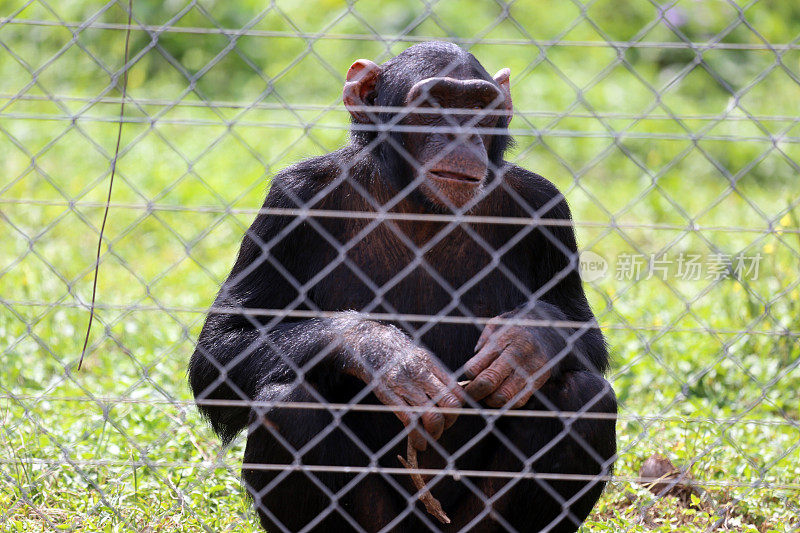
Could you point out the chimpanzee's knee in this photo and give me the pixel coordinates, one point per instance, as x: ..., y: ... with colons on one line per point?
x: 578, y: 410
x: 571, y: 446
x: 593, y: 400
x: 306, y: 498
x: 589, y: 443
x: 278, y: 435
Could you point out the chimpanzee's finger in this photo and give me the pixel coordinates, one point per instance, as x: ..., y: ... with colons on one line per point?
x: 488, y: 332
x: 485, y: 334
x: 481, y: 360
x: 510, y: 390
x: 416, y: 437
x: 491, y: 378
x: 534, y: 380
x: 444, y: 397
x: 495, y: 327
x: 432, y: 421
x: 388, y: 397
x: 449, y: 382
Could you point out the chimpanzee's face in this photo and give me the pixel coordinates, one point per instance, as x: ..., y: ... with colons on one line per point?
x: 448, y: 130
x: 448, y: 125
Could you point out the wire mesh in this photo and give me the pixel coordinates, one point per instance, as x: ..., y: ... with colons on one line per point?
x: 670, y: 128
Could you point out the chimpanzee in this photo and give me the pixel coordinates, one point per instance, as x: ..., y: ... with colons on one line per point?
x: 413, y: 268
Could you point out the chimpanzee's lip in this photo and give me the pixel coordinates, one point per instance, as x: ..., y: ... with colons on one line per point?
x: 455, y: 176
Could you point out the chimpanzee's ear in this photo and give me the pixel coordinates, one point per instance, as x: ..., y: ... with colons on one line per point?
x: 359, y: 88
x: 503, y: 79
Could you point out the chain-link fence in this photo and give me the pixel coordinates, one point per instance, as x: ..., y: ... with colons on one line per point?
x: 671, y: 129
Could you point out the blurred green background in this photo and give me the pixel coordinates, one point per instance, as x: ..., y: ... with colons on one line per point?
x: 671, y: 128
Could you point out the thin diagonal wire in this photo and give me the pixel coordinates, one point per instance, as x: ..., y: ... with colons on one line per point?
x: 110, y: 183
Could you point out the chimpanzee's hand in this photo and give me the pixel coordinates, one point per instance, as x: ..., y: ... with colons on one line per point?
x: 506, y: 365
x: 414, y: 379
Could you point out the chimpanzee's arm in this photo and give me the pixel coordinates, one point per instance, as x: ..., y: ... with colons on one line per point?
x: 244, y: 348
x: 562, y: 296
x: 553, y: 333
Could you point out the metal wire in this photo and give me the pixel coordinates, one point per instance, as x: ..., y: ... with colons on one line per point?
x: 192, y: 168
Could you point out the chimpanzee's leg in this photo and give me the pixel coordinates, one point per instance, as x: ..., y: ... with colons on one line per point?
x: 291, y: 500
x: 555, y: 446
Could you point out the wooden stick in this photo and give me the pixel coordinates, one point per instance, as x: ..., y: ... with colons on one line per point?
x: 432, y: 505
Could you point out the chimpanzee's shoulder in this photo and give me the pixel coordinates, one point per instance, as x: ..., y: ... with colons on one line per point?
x: 541, y: 198
x: 307, y: 181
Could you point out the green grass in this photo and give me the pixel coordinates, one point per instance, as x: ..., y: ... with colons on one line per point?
x: 706, y: 372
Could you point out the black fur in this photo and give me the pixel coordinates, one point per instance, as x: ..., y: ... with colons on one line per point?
x: 250, y: 350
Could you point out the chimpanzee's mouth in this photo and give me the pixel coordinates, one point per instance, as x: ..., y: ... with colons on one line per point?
x: 454, y: 176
